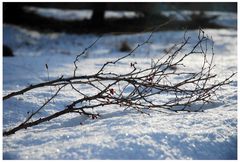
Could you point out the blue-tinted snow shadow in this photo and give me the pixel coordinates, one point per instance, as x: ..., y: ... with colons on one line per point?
x: 199, y: 107
x: 15, y: 110
x: 23, y: 71
x: 104, y: 116
x: 85, y: 120
x: 11, y: 155
x: 70, y: 122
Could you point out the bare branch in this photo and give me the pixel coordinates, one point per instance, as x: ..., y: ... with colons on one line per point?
x: 143, y: 90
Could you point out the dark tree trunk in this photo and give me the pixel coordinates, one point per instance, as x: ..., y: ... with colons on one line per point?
x: 98, y: 13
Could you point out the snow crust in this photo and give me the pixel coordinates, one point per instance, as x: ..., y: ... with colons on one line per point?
x: 118, y: 133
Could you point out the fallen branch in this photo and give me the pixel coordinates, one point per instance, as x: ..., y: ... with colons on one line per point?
x: 145, y: 85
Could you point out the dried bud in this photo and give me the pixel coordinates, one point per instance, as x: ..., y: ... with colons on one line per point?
x: 150, y: 78
x: 112, y: 91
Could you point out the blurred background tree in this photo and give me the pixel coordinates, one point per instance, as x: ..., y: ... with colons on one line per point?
x: 149, y: 15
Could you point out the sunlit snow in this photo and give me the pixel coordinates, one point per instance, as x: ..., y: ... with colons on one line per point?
x: 118, y: 133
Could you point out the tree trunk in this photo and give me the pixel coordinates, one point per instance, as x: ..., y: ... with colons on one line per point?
x: 98, y: 13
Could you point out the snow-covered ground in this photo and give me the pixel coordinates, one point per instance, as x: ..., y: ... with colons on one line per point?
x: 228, y: 19
x: 118, y: 133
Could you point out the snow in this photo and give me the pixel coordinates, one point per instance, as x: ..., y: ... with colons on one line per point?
x: 228, y: 19
x: 118, y: 133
